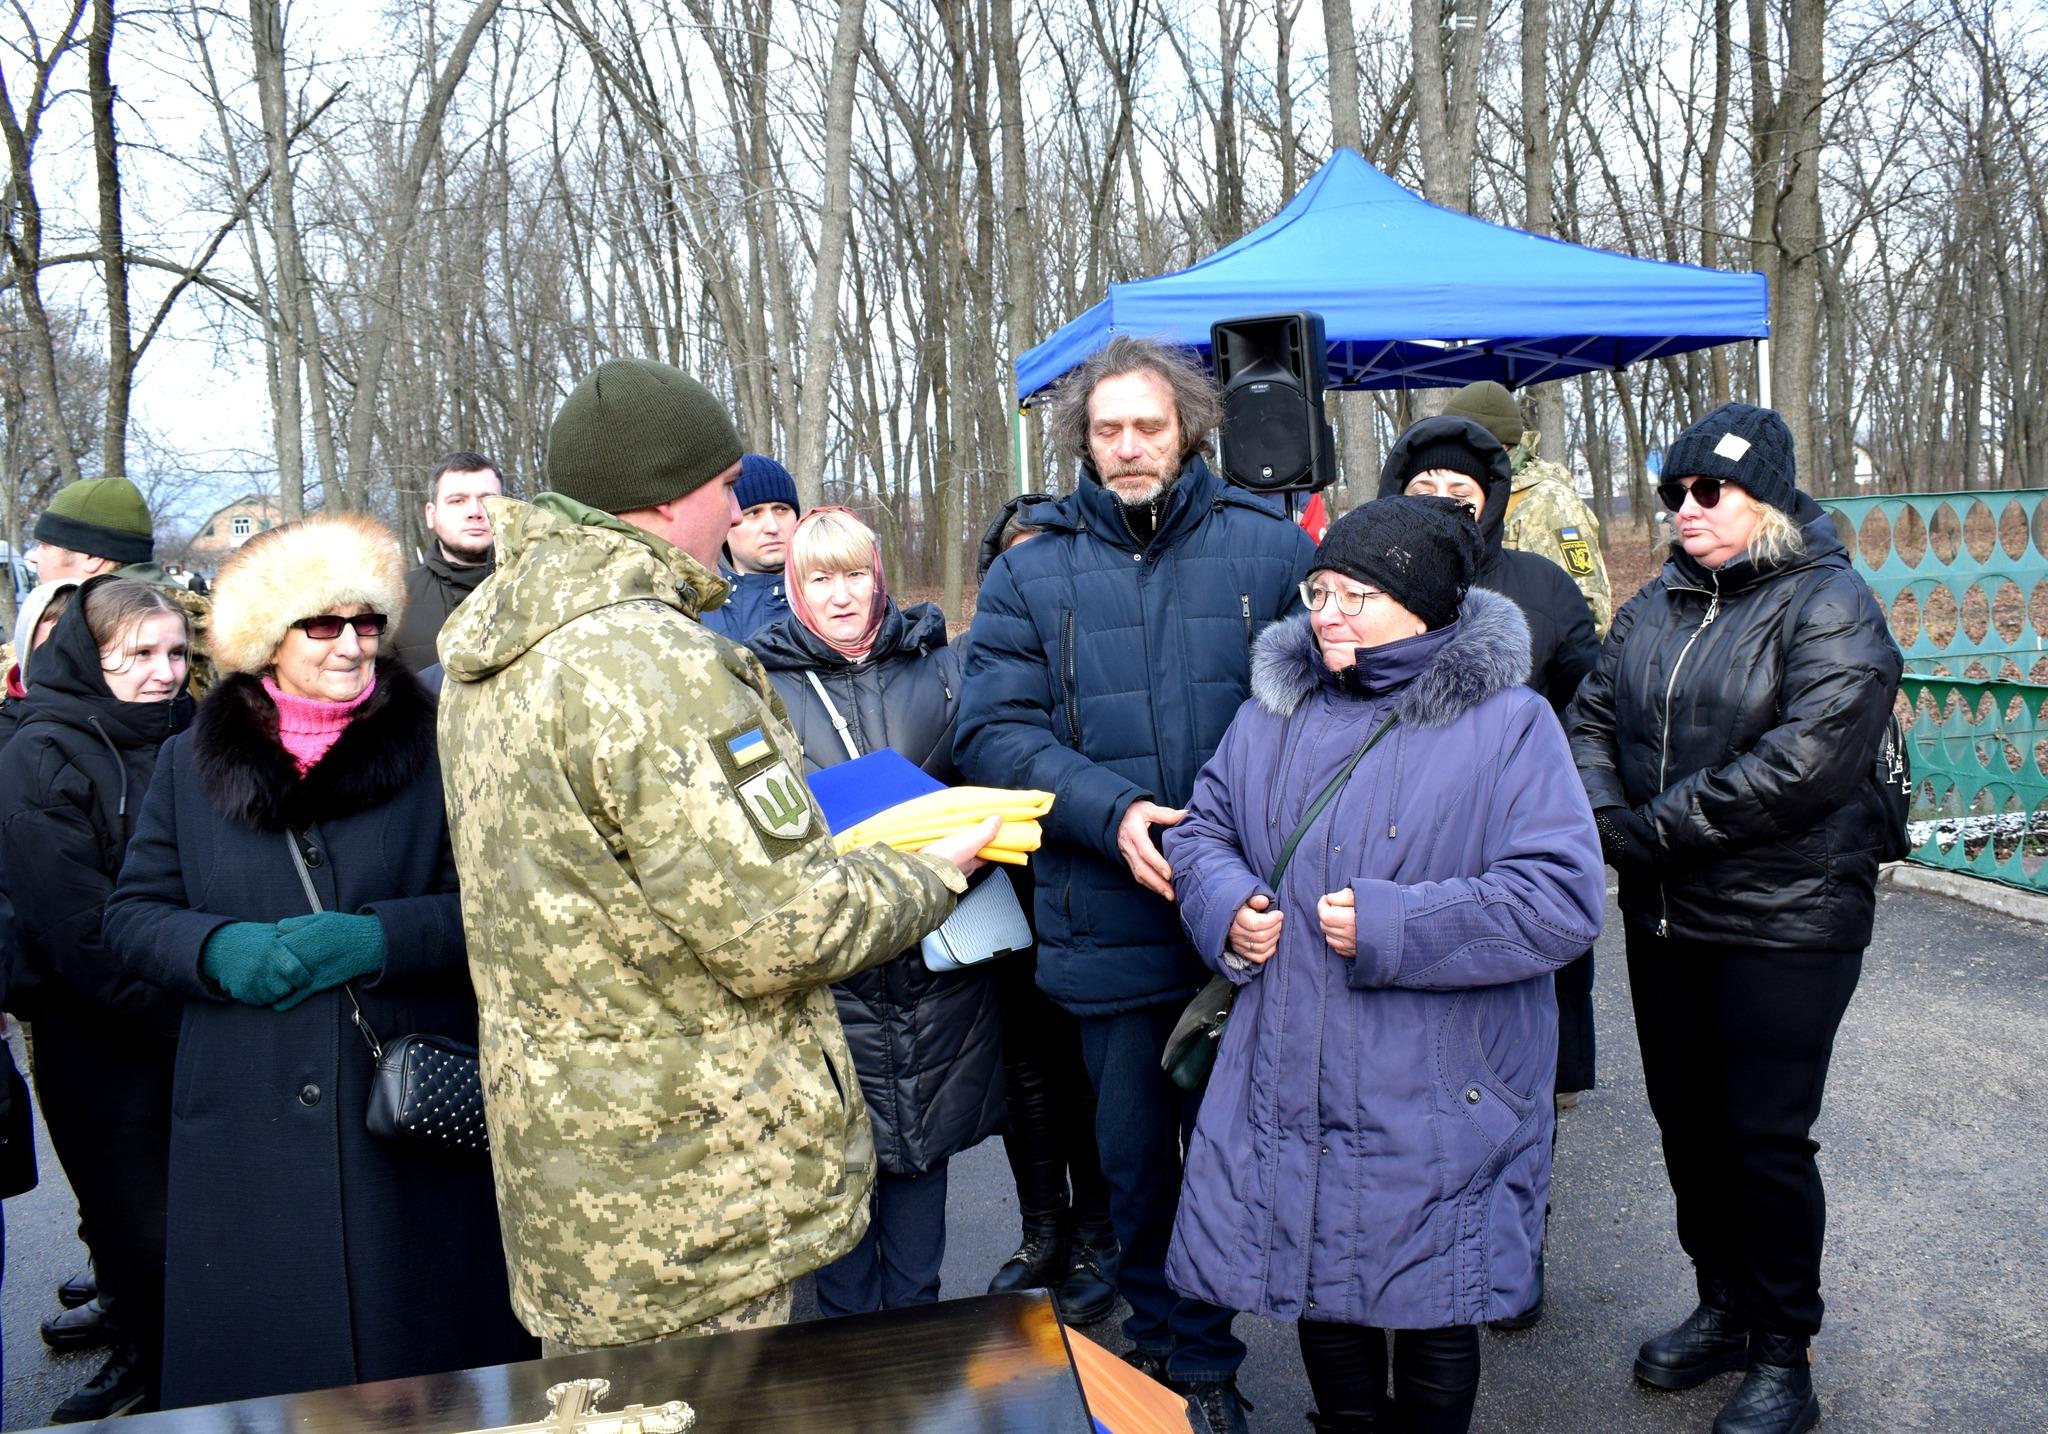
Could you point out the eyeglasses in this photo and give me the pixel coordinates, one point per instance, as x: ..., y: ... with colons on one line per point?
x: 1705, y: 491
x: 328, y: 626
x: 1349, y: 603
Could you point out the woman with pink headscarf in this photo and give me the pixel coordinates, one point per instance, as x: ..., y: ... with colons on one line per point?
x: 858, y: 674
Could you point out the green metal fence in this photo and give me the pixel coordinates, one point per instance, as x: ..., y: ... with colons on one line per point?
x: 1964, y: 577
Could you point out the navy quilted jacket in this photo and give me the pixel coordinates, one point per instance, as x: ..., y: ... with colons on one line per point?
x: 1104, y: 671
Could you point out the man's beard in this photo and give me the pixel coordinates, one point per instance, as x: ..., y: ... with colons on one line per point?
x: 463, y: 555
x: 1134, y: 489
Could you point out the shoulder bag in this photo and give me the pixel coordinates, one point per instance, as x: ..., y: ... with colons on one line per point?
x: 425, y: 1090
x: 1191, y: 1047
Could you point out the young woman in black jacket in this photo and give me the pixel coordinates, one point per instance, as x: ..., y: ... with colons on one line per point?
x: 858, y: 674
x: 1727, y: 741
x: 109, y: 689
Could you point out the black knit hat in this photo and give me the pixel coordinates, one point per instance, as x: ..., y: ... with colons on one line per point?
x: 1422, y: 552
x: 1447, y: 453
x: 636, y: 433
x: 1742, y: 444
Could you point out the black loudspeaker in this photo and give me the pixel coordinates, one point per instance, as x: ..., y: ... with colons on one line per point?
x: 1272, y: 370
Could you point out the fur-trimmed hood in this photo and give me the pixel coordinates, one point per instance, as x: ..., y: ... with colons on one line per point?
x: 1486, y: 651
x: 302, y: 569
x: 250, y: 778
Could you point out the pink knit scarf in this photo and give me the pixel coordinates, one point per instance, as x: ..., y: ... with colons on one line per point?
x: 307, y: 726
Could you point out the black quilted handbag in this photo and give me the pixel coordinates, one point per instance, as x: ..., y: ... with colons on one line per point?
x: 426, y: 1089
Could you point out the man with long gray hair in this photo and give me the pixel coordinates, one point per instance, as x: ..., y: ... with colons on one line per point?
x: 1107, y: 656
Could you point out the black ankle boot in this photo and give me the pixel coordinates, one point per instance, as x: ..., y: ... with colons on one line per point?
x: 1711, y: 1340
x: 1088, y: 1292
x: 1344, y: 1422
x: 1776, y: 1396
x: 1039, y: 1264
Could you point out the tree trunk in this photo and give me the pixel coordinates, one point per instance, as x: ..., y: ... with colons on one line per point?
x: 1020, y: 265
x: 382, y: 320
x: 836, y: 219
x: 266, y: 37
x: 113, y: 247
x: 1795, y: 335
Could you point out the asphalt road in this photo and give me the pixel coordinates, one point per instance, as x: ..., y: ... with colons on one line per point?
x: 1934, y: 1145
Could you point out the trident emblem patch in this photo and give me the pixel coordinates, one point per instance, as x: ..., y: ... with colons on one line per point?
x: 776, y: 802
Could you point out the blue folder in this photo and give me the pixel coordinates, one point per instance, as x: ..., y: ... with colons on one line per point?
x: 853, y: 791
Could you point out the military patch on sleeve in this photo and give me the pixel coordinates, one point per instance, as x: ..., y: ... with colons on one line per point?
x: 774, y: 797
x: 1578, y: 553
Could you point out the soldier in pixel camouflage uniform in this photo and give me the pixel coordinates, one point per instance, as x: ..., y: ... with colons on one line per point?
x: 654, y: 907
x: 1545, y: 515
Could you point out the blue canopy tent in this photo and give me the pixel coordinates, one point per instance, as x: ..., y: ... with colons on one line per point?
x: 1414, y: 296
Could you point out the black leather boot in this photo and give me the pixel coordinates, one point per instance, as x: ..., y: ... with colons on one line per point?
x: 1088, y: 1293
x: 1776, y: 1396
x: 1711, y: 1340
x: 1344, y: 1422
x: 90, y: 1325
x: 1039, y: 1264
x: 79, y: 1288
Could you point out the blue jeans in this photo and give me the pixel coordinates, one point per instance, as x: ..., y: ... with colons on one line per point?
x: 896, y: 1263
x: 1142, y: 1122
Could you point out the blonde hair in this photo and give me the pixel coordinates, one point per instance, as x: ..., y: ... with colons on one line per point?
x: 1776, y: 538
x: 829, y: 542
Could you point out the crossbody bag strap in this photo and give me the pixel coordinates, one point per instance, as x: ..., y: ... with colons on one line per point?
x: 1328, y: 795
x: 845, y: 734
x: 291, y: 842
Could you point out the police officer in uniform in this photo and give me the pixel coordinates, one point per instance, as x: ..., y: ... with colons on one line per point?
x: 654, y: 908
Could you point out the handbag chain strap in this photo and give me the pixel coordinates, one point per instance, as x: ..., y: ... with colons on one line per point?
x: 291, y: 841
x: 1328, y: 795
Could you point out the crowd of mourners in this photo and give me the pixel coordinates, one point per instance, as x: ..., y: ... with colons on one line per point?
x: 533, y: 816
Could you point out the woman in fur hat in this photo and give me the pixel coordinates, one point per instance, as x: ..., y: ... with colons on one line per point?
x: 303, y: 1252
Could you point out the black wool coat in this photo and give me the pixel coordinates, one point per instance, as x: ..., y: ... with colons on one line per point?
x: 927, y: 1045
x: 302, y: 1252
x: 1739, y: 711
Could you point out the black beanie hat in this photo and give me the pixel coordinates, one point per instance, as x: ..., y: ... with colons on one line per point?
x: 1446, y: 453
x: 1421, y: 552
x: 1742, y: 444
x: 636, y: 433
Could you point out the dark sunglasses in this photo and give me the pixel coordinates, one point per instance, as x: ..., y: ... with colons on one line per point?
x: 328, y: 626
x: 1705, y: 491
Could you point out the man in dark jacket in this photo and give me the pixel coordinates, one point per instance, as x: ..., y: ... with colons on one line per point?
x: 756, y: 549
x: 1107, y: 657
x: 462, y: 556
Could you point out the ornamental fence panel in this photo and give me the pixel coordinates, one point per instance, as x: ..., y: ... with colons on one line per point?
x: 1964, y: 579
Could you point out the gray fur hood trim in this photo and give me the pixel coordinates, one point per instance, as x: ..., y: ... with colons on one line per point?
x: 1489, y: 653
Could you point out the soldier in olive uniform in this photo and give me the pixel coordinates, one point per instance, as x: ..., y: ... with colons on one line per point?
x: 655, y: 910
x: 1546, y: 515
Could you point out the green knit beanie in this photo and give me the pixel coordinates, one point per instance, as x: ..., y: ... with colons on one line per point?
x: 1490, y: 406
x: 636, y: 433
x: 102, y: 518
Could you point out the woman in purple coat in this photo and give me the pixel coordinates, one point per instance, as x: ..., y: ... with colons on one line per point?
x: 1373, y: 1149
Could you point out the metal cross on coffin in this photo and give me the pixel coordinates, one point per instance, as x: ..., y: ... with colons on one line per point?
x: 573, y: 1410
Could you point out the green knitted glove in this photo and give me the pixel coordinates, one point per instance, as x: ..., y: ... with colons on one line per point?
x: 249, y: 961
x: 334, y: 947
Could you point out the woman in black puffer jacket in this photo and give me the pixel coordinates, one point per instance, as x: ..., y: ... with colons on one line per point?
x: 109, y: 690
x: 858, y: 674
x: 1727, y: 740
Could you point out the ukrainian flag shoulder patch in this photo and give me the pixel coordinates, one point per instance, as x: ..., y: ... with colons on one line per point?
x: 748, y: 747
